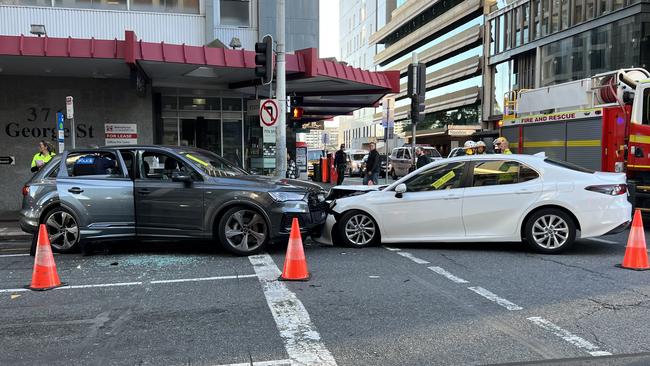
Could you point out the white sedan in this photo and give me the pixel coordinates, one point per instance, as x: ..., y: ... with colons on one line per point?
x: 483, y: 198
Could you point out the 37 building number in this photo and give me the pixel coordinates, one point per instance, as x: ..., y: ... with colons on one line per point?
x: 33, y: 113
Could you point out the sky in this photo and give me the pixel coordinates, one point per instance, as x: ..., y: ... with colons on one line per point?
x: 328, y: 30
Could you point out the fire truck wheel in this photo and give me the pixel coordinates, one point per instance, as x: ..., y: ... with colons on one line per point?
x: 550, y: 231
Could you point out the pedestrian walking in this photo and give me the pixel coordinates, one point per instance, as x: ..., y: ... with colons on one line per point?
x: 423, y: 159
x: 291, y: 168
x: 340, y: 163
x: 373, y: 165
x: 501, y: 146
x: 43, y: 156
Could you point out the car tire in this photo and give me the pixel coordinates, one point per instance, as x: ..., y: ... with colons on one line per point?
x: 243, y: 231
x: 550, y: 231
x: 63, y: 230
x: 358, y: 229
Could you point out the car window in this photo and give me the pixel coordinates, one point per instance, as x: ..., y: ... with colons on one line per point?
x: 212, y: 164
x: 358, y: 157
x: 432, y: 153
x: 161, y: 166
x: 400, y: 153
x: 129, y: 160
x: 99, y: 163
x: 499, y: 172
x: 407, y: 154
x: 441, y: 177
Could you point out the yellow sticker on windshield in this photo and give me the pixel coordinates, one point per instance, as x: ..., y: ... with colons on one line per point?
x: 197, y: 160
x: 444, y: 179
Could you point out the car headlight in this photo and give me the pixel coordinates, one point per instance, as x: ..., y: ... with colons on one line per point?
x: 287, y: 196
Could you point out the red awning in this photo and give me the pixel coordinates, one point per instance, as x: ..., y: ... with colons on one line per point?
x: 327, y: 88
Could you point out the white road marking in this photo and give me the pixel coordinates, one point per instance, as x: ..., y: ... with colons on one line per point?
x: 2, y: 229
x: 579, y: 342
x: 443, y: 272
x: 492, y: 297
x: 121, y: 284
x: 261, y: 363
x: 603, y: 241
x: 205, y: 279
x: 301, y: 339
x: 13, y: 255
x: 392, y: 249
x: 412, y: 257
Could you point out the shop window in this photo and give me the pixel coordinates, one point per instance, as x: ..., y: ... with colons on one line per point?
x: 92, y: 4
x: 235, y: 13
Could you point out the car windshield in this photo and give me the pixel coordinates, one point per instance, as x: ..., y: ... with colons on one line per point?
x: 567, y: 165
x: 357, y: 156
x: 212, y: 164
x: 432, y: 153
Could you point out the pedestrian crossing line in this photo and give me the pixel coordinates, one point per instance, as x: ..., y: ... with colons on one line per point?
x: 392, y: 249
x: 204, y: 279
x: 493, y: 297
x: 299, y: 335
x: 14, y: 255
x: 261, y: 363
x: 441, y: 271
x: 412, y: 257
x: 575, y: 340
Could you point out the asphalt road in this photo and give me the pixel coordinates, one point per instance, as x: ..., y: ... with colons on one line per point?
x: 432, y: 304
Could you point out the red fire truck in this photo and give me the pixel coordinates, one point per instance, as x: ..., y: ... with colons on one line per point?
x: 601, y: 123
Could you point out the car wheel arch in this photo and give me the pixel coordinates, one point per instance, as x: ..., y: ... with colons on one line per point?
x: 522, y: 226
x: 238, y: 203
x: 341, y: 214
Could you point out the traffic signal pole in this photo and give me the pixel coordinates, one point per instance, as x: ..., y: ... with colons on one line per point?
x: 281, y: 95
x: 414, y: 61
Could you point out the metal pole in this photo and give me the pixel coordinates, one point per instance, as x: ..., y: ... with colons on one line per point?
x: 414, y: 60
x: 281, y: 95
x: 73, y: 134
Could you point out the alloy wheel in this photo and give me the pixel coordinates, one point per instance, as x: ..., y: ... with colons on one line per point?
x: 245, y: 230
x: 550, y: 231
x: 63, y: 230
x: 360, y: 230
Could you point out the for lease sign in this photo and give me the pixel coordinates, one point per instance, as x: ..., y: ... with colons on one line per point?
x: 120, y: 134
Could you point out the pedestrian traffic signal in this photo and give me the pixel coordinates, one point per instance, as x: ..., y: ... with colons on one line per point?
x: 417, y: 88
x: 296, y: 112
x: 264, y: 59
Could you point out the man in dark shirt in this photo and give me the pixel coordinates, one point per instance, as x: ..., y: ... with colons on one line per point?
x: 373, y: 165
x: 340, y: 162
x: 423, y: 159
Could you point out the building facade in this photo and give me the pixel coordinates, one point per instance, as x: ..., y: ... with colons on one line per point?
x: 537, y: 43
x: 185, y: 82
x: 448, y: 37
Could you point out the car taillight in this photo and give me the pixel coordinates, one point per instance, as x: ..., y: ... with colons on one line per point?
x: 609, y: 189
x: 25, y: 190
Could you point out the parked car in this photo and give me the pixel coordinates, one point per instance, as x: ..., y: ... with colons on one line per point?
x: 355, y: 158
x: 401, y: 160
x: 164, y: 193
x: 487, y: 198
x: 313, y: 157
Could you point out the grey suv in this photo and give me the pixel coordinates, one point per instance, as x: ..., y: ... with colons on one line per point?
x: 160, y: 192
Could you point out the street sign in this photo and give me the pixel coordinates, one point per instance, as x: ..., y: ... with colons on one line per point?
x: 388, y: 115
x: 7, y: 160
x: 61, y: 131
x: 69, y: 107
x: 269, y: 112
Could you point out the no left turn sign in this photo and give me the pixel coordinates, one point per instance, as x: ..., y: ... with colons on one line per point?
x: 268, y: 112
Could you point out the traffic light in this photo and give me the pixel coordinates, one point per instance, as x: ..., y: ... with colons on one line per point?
x: 296, y: 112
x: 416, y: 89
x: 264, y: 59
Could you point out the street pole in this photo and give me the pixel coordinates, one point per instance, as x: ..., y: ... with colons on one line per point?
x: 414, y: 60
x: 281, y: 95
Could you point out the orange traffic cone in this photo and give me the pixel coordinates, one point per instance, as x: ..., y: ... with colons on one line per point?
x: 44, y: 276
x: 636, y: 255
x: 295, y: 264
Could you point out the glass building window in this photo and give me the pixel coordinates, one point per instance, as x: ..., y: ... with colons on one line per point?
x: 235, y: 13
x: 501, y: 40
x: 536, y: 6
x: 47, y: 3
x: 502, y: 79
x: 526, y: 31
x: 493, y: 34
x: 578, y: 10
x: 518, y: 28
x: 590, y: 7
x: 546, y: 18
x: 618, y: 4
x: 555, y: 16
x: 564, y: 14
x: 92, y: 4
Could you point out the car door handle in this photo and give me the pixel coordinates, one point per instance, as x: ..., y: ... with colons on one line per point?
x: 452, y: 198
x: 144, y: 191
x: 75, y: 190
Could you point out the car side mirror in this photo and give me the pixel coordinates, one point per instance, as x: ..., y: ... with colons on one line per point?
x: 177, y: 177
x: 399, y: 190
